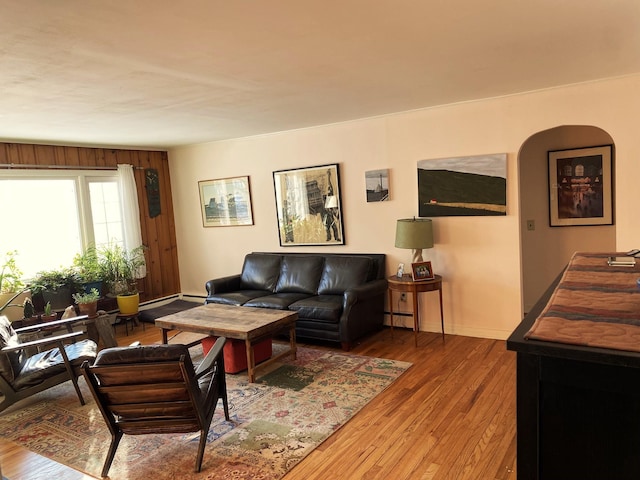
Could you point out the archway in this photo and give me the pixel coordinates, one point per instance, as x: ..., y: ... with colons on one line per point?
x: 546, y: 250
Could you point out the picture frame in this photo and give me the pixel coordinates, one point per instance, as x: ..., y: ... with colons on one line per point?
x: 377, y: 183
x: 422, y: 271
x: 581, y: 187
x: 226, y: 202
x: 309, y: 206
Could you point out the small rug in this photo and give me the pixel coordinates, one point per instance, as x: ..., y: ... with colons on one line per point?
x: 275, y: 422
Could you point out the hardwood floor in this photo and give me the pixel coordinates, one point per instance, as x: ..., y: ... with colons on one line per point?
x: 450, y: 416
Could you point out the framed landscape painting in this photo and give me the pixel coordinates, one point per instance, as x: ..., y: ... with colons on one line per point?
x: 309, y: 206
x: 225, y: 202
x: 463, y: 186
x: 580, y: 187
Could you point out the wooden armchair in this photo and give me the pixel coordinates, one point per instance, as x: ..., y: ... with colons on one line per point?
x: 25, y: 369
x: 155, y: 389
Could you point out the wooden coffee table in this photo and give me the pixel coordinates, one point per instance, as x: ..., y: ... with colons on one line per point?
x: 242, y: 323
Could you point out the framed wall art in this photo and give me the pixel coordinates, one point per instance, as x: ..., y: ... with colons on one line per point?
x: 463, y: 186
x: 309, y: 206
x: 377, y: 185
x: 226, y: 202
x: 580, y: 187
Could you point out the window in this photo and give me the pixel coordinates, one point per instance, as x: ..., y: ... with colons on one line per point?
x: 49, y: 216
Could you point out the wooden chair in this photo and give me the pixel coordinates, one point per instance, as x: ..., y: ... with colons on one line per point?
x: 25, y: 369
x: 155, y: 389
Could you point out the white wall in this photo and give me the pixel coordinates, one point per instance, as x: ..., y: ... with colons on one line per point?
x: 479, y: 257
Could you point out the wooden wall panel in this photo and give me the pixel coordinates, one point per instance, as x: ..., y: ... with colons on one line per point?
x: 157, y: 233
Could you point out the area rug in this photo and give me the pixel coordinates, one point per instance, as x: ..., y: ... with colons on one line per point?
x: 274, y: 423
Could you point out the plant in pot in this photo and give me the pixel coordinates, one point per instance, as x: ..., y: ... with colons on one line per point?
x: 28, y: 313
x: 88, y: 302
x: 88, y: 268
x: 12, y: 289
x: 49, y: 315
x: 121, y: 269
x: 55, y: 286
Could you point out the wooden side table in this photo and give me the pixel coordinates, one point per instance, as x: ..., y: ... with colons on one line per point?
x: 407, y: 285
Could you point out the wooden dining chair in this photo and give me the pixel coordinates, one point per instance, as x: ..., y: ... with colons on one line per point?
x: 156, y: 389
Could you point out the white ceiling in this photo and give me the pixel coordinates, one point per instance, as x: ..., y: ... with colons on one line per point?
x: 162, y: 73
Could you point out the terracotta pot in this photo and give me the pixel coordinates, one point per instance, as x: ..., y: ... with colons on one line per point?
x: 90, y: 309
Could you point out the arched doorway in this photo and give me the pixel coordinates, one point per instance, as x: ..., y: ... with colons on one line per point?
x: 546, y: 250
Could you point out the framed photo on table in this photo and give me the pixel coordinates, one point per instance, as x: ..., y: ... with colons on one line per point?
x: 580, y: 187
x: 225, y: 202
x: 422, y: 271
x: 309, y: 206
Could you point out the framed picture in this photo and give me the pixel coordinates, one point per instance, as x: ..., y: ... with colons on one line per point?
x: 580, y: 187
x: 308, y: 206
x: 226, y: 202
x: 377, y: 182
x: 422, y: 271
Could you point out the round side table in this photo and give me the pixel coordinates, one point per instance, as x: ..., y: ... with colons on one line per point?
x: 407, y: 285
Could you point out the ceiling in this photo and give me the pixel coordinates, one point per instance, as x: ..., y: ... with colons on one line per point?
x: 163, y: 73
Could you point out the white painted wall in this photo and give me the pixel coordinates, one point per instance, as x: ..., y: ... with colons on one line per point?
x: 479, y: 257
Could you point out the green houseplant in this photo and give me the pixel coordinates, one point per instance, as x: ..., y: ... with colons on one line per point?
x: 12, y: 288
x: 121, y: 269
x: 87, y: 302
x: 88, y: 268
x: 55, y: 286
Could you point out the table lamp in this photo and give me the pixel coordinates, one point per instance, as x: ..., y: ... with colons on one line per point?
x: 416, y: 234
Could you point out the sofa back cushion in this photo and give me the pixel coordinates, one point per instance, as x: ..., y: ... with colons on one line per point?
x: 343, y: 272
x: 260, y: 272
x: 300, y: 274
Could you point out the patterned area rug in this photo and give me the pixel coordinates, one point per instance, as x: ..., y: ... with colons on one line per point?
x: 274, y: 423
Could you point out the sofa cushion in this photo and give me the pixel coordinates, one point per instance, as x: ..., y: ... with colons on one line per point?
x: 260, y: 272
x: 278, y: 301
x: 342, y: 273
x: 236, y: 298
x: 300, y: 274
x: 323, y: 308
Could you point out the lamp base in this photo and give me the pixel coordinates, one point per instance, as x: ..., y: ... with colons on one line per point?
x: 417, y: 255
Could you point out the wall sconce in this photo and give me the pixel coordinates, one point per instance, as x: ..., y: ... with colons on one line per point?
x: 416, y: 234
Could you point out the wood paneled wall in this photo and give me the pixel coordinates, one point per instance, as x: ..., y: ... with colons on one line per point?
x: 158, y: 233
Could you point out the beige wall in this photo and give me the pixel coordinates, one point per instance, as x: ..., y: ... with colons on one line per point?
x: 479, y: 257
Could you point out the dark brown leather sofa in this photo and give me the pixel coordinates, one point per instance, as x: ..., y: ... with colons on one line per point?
x: 338, y: 297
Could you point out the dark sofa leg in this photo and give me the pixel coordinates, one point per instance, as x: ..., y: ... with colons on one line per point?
x: 346, y: 346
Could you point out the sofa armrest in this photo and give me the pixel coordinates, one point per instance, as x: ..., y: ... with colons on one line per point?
x: 364, y: 291
x: 223, y: 285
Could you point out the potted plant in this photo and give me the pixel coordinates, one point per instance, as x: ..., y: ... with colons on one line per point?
x: 88, y: 302
x: 12, y: 289
x: 121, y: 269
x: 55, y: 286
x: 49, y: 315
x: 88, y: 269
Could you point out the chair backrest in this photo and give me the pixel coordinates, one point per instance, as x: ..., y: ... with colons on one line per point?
x: 10, y: 362
x: 147, y: 389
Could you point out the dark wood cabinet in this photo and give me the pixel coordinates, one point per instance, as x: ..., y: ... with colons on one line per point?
x: 578, y: 408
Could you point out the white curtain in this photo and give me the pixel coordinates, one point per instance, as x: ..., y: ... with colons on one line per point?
x: 130, y: 210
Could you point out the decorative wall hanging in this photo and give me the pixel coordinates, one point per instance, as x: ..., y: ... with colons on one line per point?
x: 377, y: 182
x: 580, y: 187
x: 308, y: 206
x: 463, y: 186
x: 153, y: 191
x: 226, y: 202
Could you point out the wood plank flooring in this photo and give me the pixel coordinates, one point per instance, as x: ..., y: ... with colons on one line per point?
x: 450, y: 416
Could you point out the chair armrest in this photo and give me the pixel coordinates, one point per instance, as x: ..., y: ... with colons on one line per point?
x: 212, y: 356
x: 55, y: 323
x: 224, y: 284
x: 42, y: 341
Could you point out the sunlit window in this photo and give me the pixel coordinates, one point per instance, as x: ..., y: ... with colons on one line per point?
x: 48, y: 216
